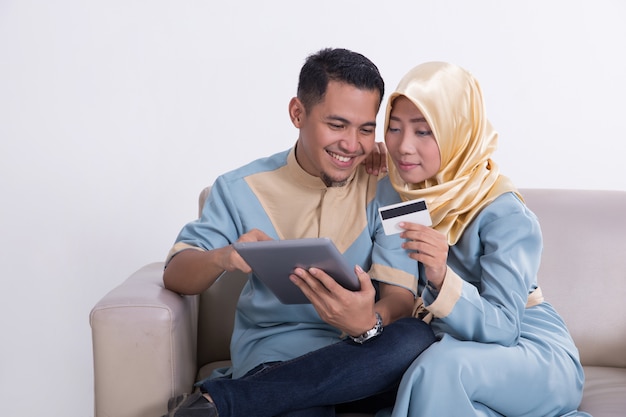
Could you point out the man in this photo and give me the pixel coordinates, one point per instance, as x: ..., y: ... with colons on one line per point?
x: 291, y: 360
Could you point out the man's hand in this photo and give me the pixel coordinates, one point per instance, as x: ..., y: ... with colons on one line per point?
x: 230, y: 258
x: 193, y: 271
x: 376, y: 161
x: 350, y: 311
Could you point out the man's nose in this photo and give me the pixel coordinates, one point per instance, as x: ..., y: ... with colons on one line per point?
x: 351, y: 141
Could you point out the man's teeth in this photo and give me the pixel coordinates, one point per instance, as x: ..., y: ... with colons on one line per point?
x: 339, y: 157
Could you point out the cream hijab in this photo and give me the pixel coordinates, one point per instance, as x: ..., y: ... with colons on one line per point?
x: 451, y: 101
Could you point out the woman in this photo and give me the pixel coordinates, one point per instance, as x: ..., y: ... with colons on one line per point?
x: 501, y: 349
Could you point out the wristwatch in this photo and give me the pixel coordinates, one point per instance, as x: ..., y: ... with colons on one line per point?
x: 373, y: 332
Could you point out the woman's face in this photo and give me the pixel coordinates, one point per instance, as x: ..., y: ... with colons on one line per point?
x: 411, y: 143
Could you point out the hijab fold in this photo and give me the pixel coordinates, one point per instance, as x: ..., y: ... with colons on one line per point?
x: 451, y: 101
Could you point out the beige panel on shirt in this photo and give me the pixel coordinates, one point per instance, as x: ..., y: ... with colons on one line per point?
x: 300, y: 205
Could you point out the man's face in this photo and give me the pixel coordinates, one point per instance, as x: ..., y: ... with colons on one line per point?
x: 337, y: 133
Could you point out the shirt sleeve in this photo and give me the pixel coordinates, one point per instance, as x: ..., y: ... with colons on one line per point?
x: 219, y: 224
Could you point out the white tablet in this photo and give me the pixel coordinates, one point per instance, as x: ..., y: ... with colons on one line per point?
x: 274, y: 260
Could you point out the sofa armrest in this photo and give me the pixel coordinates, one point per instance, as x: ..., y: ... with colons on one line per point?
x: 144, y: 346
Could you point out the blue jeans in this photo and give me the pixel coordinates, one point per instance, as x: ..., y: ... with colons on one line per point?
x: 344, y: 374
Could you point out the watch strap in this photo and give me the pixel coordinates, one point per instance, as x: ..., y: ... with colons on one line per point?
x: 373, y: 332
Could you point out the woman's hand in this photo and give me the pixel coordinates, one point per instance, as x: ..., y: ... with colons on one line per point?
x: 429, y: 247
x: 376, y: 161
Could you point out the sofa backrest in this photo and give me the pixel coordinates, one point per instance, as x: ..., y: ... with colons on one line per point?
x: 583, y: 267
x: 582, y: 274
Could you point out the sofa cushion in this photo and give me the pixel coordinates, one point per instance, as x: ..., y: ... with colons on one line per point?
x: 605, y: 391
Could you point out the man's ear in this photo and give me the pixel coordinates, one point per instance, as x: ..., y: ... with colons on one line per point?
x: 296, y: 112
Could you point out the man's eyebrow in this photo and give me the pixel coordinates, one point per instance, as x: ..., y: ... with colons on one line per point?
x: 338, y: 119
x: 347, y: 122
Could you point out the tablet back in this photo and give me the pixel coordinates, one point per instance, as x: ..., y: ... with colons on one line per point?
x: 274, y: 260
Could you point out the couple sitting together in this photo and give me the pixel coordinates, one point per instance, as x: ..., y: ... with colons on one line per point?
x: 449, y: 319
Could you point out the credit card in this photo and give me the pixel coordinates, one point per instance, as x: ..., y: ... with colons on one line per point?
x: 414, y: 211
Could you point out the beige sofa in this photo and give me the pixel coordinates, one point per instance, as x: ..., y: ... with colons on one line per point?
x: 150, y: 344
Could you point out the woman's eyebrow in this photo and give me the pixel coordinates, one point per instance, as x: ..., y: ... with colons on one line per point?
x: 414, y: 120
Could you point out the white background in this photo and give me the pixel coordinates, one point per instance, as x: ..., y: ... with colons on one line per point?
x: 114, y: 114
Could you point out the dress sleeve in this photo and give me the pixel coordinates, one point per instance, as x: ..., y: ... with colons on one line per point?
x: 489, y: 308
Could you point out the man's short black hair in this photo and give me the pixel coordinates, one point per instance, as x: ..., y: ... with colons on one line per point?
x: 336, y: 64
